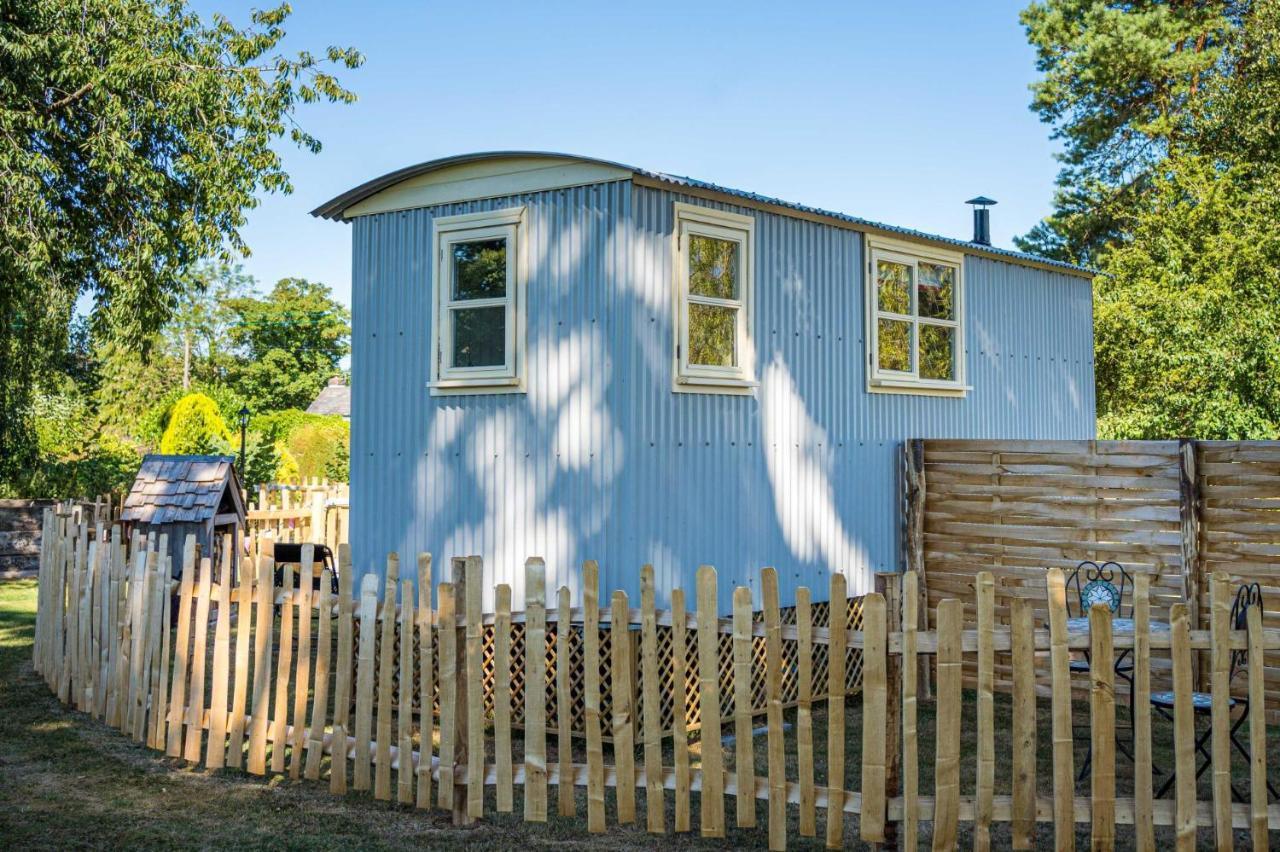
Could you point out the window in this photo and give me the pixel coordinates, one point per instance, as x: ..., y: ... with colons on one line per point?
x: 714, y: 288
x: 914, y: 314
x: 478, y: 302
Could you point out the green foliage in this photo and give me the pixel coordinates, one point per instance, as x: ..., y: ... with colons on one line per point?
x: 1187, y: 311
x: 286, y: 464
x: 290, y: 342
x: 261, y: 460
x: 307, y: 444
x: 1123, y: 86
x: 135, y: 136
x: 315, y: 445
x: 195, y: 428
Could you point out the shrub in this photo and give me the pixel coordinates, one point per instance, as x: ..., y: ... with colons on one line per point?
x: 196, y: 428
x: 317, y: 444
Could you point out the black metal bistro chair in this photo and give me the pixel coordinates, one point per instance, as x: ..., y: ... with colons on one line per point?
x: 1105, y: 584
x: 1248, y: 595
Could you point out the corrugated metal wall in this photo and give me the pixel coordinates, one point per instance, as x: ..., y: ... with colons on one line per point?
x: 601, y: 460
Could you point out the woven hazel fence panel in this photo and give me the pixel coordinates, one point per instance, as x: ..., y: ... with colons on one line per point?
x: 109, y: 643
x: 789, y: 685
x: 1178, y: 511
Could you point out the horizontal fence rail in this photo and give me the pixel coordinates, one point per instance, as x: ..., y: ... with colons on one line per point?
x: 227, y: 669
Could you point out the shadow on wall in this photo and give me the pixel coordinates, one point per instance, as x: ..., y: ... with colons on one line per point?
x: 484, y: 474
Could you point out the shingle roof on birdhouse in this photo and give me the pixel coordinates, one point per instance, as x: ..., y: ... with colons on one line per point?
x: 183, y: 489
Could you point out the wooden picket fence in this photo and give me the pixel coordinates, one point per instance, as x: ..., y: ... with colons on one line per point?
x: 316, y: 511
x: 245, y: 674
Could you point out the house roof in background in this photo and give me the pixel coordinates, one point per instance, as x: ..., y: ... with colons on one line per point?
x: 335, y: 209
x: 334, y: 398
x: 181, y: 489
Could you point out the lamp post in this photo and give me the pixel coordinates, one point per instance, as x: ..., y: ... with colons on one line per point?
x: 244, y: 426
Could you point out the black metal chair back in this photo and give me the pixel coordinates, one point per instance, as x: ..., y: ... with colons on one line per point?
x: 1248, y: 595
x: 1106, y: 583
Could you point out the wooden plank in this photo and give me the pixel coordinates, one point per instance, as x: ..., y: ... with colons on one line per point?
x: 240, y: 694
x: 263, y: 638
x: 426, y: 717
x: 462, y: 573
x: 216, y: 754
x: 320, y: 700
x: 1063, y: 767
x: 655, y: 796
x: 777, y: 757
x: 160, y: 680
x: 342, y: 674
x: 623, y: 728
x: 986, y: 604
x: 804, y: 714
x: 181, y: 650
x: 1257, y: 734
x: 195, y: 709
x: 744, y: 747
x: 284, y: 669
x: 680, y: 713
x: 874, y: 717
x: 591, y: 695
x: 947, y: 759
x: 1102, y: 777
x: 364, y: 682
x: 386, y: 680
x: 712, y: 798
x: 564, y: 709
x: 1024, y: 726
x: 835, y: 719
x: 535, y: 713
x: 474, y: 674
x: 505, y: 793
x: 302, y: 678
x: 1184, y: 731
x: 1220, y: 716
x: 448, y: 664
x: 404, y: 694
x: 1144, y: 829
x: 910, y: 711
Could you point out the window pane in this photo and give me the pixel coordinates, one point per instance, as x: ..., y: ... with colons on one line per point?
x: 895, y: 345
x: 480, y: 269
x: 937, y: 289
x: 479, y: 337
x: 893, y: 285
x: 713, y: 267
x: 712, y: 335
x: 937, y: 354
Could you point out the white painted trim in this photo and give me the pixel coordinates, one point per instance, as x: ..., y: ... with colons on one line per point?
x: 720, y: 224
x: 508, y: 223
x: 892, y: 381
x: 486, y: 179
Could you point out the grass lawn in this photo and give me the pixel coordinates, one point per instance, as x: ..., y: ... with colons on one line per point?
x: 67, y: 781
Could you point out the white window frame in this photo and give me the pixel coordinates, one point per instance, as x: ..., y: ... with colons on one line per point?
x: 507, y: 223
x: 893, y: 381
x: 691, y: 219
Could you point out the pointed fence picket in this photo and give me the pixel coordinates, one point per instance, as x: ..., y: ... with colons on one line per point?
x: 104, y: 642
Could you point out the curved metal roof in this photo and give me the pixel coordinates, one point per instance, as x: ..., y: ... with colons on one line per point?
x: 334, y: 207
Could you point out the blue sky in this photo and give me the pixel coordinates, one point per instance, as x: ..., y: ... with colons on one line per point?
x: 896, y: 112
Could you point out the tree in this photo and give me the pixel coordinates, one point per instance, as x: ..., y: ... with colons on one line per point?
x: 196, y: 427
x: 199, y: 332
x: 1124, y: 86
x: 133, y: 137
x: 1188, y: 304
x: 290, y: 343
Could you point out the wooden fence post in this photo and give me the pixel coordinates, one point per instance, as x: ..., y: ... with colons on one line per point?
x: 913, y: 502
x: 1189, y: 517
x: 460, y: 727
x: 889, y: 584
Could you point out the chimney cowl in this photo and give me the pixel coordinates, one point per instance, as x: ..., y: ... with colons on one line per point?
x: 981, y: 219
